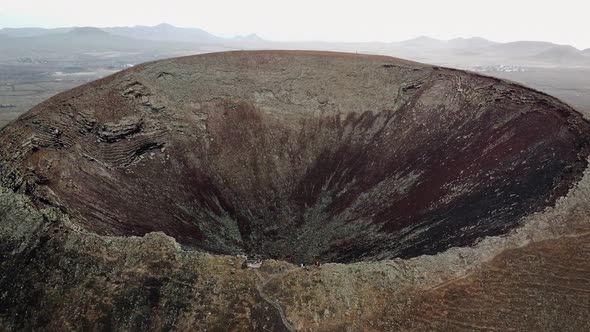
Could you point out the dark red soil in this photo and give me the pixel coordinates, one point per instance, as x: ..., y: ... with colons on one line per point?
x: 392, y: 159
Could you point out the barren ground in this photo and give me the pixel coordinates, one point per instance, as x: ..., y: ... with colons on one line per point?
x: 435, y: 199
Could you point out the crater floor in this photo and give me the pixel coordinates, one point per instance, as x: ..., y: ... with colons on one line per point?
x: 299, y: 156
x: 457, y: 201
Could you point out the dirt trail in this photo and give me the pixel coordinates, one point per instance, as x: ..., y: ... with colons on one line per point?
x: 269, y: 300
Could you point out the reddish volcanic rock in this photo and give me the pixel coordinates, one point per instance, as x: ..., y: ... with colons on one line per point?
x: 300, y: 156
x: 306, y: 157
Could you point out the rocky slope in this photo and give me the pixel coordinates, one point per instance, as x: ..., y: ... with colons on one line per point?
x: 429, y: 182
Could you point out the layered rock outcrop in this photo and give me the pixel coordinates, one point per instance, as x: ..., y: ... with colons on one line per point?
x: 294, y: 156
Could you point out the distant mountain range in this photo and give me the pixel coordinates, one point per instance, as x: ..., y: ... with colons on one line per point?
x: 161, y: 32
x: 432, y: 43
x: 76, y: 42
x: 166, y: 32
x: 168, y: 39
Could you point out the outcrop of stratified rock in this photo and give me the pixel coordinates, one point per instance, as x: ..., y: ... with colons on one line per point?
x: 296, y: 156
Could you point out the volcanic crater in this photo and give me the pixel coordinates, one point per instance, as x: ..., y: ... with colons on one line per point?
x: 299, y: 156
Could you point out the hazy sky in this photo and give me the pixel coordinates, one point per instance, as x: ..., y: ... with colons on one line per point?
x: 563, y: 21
